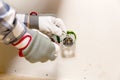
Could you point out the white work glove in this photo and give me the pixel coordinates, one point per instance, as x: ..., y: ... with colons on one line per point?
x: 51, y: 25
x: 36, y: 47
x: 46, y: 24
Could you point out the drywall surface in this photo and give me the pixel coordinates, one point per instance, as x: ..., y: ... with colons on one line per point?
x: 97, y: 24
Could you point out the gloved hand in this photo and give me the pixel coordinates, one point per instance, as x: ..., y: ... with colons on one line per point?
x: 36, y: 47
x: 32, y: 44
x: 51, y: 25
x: 46, y: 24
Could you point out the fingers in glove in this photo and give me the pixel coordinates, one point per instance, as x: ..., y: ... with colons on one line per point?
x: 57, y: 31
x: 60, y: 24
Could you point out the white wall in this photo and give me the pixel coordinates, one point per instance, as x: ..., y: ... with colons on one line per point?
x: 97, y: 24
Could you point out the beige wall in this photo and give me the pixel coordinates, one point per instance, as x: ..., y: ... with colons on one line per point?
x: 40, y: 6
x: 97, y: 24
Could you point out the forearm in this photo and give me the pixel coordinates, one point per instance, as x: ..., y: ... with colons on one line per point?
x: 12, y: 29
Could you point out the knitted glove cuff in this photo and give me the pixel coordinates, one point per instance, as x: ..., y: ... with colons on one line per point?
x: 23, y: 43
